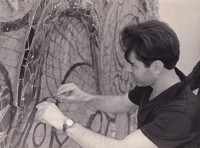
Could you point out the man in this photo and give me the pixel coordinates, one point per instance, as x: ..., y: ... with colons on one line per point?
x: 169, y: 113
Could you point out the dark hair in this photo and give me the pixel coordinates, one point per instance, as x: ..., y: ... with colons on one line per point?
x: 150, y: 41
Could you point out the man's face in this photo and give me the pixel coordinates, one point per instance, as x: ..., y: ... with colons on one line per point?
x: 143, y: 76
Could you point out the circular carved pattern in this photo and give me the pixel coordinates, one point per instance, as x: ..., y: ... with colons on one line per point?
x: 8, y: 14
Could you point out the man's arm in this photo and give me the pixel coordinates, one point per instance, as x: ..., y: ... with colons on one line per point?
x: 109, y: 104
x: 112, y: 104
x: 89, y: 139
x: 49, y: 113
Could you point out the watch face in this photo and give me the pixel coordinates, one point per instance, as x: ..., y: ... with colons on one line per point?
x: 69, y: 122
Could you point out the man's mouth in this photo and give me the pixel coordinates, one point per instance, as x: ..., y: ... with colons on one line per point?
x: 135, y: 81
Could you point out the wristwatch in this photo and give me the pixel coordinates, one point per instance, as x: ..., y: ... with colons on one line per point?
x: 67, y: 124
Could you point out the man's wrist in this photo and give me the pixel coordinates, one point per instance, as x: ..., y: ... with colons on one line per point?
x: 88, y: 97
x: 72, y: 131
x: 68, y: 124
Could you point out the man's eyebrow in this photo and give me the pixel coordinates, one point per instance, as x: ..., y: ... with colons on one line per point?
x: 131, y: 63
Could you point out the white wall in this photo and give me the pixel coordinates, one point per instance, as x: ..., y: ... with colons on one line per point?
x: 184, y: 17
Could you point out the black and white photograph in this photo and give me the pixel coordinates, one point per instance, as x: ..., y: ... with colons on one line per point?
x: 99, y: 73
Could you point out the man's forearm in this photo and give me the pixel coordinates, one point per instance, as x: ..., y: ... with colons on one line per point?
x: 89, y: 139
x: 109, y: 104
x: 49, y: 113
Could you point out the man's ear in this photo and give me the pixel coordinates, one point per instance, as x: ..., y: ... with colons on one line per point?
x: 157, y: 67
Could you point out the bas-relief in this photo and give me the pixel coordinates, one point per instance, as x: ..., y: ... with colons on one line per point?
x: 57, y: 42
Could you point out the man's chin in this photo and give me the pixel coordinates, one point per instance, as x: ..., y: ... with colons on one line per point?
x: 140, y: 84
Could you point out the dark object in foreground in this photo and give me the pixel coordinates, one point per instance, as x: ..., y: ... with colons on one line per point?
x: 194, y: 78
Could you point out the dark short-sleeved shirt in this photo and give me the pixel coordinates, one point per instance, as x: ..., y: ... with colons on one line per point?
x: 171, y: 119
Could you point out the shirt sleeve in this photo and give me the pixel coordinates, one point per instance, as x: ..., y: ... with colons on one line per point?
x: 135, y: 95
x: 168, y: 130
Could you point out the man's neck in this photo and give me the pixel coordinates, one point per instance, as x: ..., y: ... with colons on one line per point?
x: 166, y: 79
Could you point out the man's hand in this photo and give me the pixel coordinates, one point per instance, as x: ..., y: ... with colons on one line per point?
x: 49, y: 113
x: 72, y: 93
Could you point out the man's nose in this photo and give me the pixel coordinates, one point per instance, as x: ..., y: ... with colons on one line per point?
x: 128, y: 68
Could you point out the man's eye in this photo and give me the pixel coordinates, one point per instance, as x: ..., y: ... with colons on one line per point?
x: 132, y: 65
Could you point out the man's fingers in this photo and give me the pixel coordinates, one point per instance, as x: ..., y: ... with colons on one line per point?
x: 45, y: 105
x: 66, y: 88
x: 42, y: 105
x: 69, y: 98
x: 43, y: 121
x: 39, y: 115
x: 40, y: 118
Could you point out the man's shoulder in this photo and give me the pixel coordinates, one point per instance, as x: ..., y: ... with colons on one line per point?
x: 185, y: 102
x: 187, y: 95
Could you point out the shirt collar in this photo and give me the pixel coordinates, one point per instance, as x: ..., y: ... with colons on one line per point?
x: 180, y: 74
x: 170, y: 93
